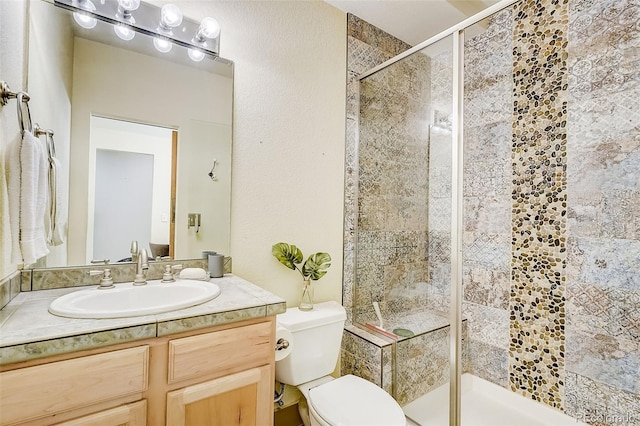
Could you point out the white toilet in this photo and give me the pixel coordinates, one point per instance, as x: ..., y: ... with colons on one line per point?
x: 315, y: 346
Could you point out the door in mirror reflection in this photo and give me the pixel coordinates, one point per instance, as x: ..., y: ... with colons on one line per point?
x: 133, y: 173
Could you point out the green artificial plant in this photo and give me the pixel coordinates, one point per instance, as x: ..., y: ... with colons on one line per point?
x: 314, y: 268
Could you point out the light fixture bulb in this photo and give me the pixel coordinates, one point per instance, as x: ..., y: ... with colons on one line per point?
x: 82, y: 17
x: 195, y: 55
x: 124, y: 32
x: 170, y: 16
x: 129, y: 5
x: 209, y: 27
x: 162, y: 45
x: 84, y: 20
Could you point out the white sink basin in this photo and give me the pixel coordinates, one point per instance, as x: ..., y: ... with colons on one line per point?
x: 127, y: 300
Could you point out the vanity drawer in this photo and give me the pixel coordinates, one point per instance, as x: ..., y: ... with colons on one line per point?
x: 220, y: 352
x: 33, y: 392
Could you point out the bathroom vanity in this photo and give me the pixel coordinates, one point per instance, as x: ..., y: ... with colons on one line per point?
x: 213, y: 361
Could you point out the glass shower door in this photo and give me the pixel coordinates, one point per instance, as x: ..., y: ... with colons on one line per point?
x: 403, y: 234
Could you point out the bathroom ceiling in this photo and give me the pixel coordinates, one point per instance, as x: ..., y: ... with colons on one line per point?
x: 412, y: 21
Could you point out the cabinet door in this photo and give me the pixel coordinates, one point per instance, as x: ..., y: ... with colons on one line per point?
x: 134, y: 414
x: 241, y: 399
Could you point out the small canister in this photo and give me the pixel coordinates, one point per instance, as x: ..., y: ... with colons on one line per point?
x: 215, y: 263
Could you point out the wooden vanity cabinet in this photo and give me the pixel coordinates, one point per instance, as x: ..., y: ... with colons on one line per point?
x: 239, y: 364
x: 241, y: 399
x: 216, y: 376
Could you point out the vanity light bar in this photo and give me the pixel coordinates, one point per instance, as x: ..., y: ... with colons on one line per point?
x: 147, y: 20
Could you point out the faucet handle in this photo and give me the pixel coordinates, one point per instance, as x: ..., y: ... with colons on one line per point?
x: 96, y: 261
x: 106, y: 281
x: 168, y: 277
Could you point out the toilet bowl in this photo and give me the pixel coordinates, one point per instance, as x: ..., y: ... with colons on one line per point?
x: 351, y: 400
x: 346, y: 401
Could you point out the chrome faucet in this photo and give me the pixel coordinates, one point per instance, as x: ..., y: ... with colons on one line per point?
x: 142, y: 265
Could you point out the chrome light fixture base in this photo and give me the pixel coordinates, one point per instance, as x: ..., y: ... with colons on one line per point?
x: 147, y: 20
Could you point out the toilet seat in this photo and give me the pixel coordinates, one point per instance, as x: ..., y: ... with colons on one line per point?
x: 351, y: 401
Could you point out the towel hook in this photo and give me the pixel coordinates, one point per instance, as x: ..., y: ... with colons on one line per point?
x: 211, y: 174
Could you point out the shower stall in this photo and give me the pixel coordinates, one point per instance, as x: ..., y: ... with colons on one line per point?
x: 491, y: 235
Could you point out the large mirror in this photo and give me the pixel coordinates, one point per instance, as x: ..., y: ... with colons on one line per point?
x: 143, y: 139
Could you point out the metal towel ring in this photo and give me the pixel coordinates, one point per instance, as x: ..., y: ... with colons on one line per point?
x: 23, y: 98
x: 51, y: 146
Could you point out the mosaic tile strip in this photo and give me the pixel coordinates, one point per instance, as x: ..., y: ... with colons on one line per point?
x: 536, y: 305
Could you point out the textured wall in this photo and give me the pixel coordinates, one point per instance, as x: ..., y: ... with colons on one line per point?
x: 603, y: 227
x: 288, y: 135
x: 393, y: 158
x: 487, y: 188
x: 367, y: 46
x: 362, y: 354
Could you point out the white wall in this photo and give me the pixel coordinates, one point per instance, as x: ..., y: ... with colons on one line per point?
x: 289, y: 135
x: 13, y: 71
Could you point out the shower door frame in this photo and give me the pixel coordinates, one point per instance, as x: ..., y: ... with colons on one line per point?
x: 457, y: 136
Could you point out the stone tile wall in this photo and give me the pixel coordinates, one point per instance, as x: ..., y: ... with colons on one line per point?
x: 487, y: 188
x: 9, y: 288
x: 393, y: 157
x: 602, y: 362
x: 367, y: 46
x: 392, y: 173
x: 551, y: 195
x: 420, y: 363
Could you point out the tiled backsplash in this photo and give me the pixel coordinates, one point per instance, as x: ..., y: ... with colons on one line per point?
x: 75, y: 276
x: 9, y: 288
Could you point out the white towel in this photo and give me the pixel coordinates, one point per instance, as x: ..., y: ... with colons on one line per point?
x: 12, y: 171
x: 33, y: 199
x: 58, y: 221
x: 55, y: 217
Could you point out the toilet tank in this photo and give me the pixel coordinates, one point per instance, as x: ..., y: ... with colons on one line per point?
x: 317, y: 335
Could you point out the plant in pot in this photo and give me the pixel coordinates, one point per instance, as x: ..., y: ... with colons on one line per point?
x: 314, y: 268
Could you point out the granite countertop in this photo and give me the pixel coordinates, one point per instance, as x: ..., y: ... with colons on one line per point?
x: 28, y: 331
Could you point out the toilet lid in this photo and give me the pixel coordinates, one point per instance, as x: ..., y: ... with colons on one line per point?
x: 351, y: 400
